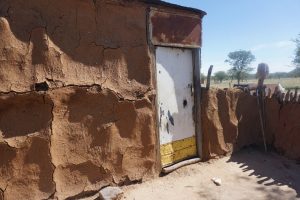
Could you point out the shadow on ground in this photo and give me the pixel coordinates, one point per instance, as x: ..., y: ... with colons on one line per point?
x: 270, y: 169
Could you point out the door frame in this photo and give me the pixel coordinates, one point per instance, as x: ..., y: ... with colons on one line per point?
x: 197, y: 101
x: 196, y: 52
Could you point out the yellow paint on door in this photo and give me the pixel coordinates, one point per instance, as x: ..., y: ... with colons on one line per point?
x: 178, y: 150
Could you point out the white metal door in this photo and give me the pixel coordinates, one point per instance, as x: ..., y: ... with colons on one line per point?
x: 175, y: 104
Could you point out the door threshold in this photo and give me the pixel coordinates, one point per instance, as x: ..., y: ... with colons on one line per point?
x: 169, y: 169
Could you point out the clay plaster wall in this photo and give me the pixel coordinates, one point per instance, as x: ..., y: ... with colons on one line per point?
x: 230, y: 121
x: 95, y: 125
x: 283, y: 125
x: 74, y: 43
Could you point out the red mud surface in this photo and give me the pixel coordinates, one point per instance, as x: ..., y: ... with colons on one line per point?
x: 96, y: 124
x: 230, y: 121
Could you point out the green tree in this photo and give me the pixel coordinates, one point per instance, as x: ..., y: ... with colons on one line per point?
x: 278, y: 75
x: 296, y: 60
x: 240, y: 61
x: 294, y: 73
x: 220, y: 76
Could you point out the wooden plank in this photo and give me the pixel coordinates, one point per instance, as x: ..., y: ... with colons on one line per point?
x: 197, y: 113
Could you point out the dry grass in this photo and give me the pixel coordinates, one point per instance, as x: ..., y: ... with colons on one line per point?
x: 285, y: 82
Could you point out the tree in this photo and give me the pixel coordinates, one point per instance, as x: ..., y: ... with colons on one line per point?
x: 294, y: 73
x: 220, y: 76
x: 240, y: 61
x: 296, y: 60
x: 278, y: 75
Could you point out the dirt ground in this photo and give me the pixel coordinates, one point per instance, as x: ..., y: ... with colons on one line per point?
x: 248, y: 174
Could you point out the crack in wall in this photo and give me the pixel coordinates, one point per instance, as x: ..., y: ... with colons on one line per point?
x: 131, y: 70
x: 51, y: 196
x: 8, y: 145
x: 139, y: 95
x: 5, y: 8
x: 1, y: 194
x: 48, y: 33
x: 6, y: 186
x: 96, y: 11
x: 94, y: 87
x: 7, y: 12
x: 50, y: 152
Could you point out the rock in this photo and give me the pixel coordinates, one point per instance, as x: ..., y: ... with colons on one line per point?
x: 217, y: 181
x: 111, y: 193
x: 108, y: 193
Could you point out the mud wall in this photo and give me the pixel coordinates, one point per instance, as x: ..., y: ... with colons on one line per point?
x: 283, y: 124
x: 230, y: 121
x: 74, y: 43
x: 92, y: 122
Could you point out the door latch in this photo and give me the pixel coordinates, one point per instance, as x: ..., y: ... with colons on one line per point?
x: 192, y: 89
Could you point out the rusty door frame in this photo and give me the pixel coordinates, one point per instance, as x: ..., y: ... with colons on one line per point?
x: 196, y: 51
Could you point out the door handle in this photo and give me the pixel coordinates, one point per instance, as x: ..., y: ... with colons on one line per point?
x: 192, y: 89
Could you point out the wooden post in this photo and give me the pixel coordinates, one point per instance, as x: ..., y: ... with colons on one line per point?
x: 262, y: 73
x: 209, y: 76
x: 296, y: 96
x: 197, y: 87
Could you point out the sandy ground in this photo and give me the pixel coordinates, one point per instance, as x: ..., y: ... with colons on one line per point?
x: 249, y: 174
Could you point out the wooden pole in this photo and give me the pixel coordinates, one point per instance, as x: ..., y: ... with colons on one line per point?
x: 172, y: 168
x: 262, y: 73
x: 209, y: 76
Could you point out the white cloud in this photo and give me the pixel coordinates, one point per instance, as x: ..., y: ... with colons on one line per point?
x: 283, y: 44
x: 259, y: 47
x: 279, y: 44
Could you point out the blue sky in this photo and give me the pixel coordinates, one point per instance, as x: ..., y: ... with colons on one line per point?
x: 266, y: 27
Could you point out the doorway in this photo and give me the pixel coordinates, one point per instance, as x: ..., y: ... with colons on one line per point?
x: 175, y: 101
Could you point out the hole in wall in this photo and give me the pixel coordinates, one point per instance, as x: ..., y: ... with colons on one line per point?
x: 43, y: 86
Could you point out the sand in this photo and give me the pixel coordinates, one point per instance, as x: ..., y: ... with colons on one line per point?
x: 249, y: 174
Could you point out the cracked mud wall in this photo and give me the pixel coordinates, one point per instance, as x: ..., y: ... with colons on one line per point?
x: 73, y: 140
x: 96, y: 124
x: 283, y: 123
x: 25, y: 165
x: 74, y: 43
x: 99, y: 139
x: 230, y: 121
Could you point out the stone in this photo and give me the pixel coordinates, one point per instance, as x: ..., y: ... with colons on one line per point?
x: 217, y: 181
x: 111, y: 193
